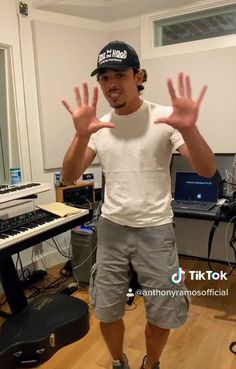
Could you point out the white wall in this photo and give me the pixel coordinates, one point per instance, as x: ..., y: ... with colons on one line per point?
x: 37, y: 94
x: 9, y: 35
x: 65, y: 56
x: 16, y: 31
x: 128, y: 31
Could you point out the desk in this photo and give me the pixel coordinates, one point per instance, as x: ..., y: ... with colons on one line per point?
x: 202, y: 215
x: 8, y: 274
x: 193, y: 229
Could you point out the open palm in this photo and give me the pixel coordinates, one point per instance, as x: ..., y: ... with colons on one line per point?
x: 84, y: 115
x: 185, y: 109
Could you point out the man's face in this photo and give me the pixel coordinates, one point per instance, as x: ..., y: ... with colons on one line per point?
x: 120, y: 89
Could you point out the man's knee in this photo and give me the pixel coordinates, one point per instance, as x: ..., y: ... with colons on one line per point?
x: 154, y: 329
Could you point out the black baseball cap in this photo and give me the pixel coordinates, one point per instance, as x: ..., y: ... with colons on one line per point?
x: 117, y: 55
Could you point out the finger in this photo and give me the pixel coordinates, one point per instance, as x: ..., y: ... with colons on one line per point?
x: 201, y: 96
x: 188, y: 87
x: 171, y: 89
x: 99, y: 125
x: 85, y: 93
x: 67, y: 106
x: 106, y: 124
x: 181, y: 84
x: 77, y: 96
x: 95, y: 97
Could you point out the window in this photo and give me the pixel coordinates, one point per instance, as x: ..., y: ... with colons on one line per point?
x: 195, y: 26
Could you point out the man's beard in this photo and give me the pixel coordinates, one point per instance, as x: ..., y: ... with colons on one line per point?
x: 118, y: 106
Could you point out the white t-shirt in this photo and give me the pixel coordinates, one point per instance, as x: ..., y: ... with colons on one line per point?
x: 135, y: 158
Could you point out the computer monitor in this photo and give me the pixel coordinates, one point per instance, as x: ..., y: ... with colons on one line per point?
x: 179, y: 164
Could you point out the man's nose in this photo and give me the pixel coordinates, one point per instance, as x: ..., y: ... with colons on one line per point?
x: 112, y: 83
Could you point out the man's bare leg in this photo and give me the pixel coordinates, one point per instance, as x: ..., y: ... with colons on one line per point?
x: 156, y: 339
x: 113, y: 334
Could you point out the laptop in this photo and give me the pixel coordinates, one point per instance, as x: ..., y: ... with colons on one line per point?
x: 195, y: 192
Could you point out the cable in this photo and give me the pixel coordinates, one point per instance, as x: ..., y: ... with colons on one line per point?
x: 52, y: 285
x: 84, y: 261
x: 59, y: 250
x: 32, y: 257
x: 131, y: 309
x: 231, y: 244
x: 67, y: 269
x: 3, y: 300
x: 90, y: 204
x: 96, y: 216
x: 25, y: 99
x: 21, y: 268
x: 21, y: 265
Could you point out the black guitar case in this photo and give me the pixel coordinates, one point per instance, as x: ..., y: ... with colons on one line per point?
x: 48, y: 323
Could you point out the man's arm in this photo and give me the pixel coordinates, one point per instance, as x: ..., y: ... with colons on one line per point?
x: 77, y: 159
x: 183, y: 118
x: 198, y: 154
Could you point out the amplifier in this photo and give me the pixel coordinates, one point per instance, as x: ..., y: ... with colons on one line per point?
x: 80, y: 194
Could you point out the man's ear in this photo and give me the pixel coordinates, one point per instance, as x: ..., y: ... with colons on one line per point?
x: 139, y: 77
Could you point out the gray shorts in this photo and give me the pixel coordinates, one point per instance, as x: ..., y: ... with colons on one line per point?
x: 153, y: 254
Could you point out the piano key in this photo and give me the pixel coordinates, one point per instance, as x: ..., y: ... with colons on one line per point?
x: 26, y: 231
x: 13, y: 192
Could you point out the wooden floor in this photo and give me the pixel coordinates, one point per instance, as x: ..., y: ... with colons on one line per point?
x: 202, y: 343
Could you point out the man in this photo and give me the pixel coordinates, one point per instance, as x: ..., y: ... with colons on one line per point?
x: 134, y: 143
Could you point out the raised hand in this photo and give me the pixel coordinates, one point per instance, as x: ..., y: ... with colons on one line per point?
x: 84, y: 115
x: 185, y: 109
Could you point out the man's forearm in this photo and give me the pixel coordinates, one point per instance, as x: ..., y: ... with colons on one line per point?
x: 73, y: 163
x: 202, y: 157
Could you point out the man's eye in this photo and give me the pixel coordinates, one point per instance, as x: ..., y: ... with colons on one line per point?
x: 103, y: 78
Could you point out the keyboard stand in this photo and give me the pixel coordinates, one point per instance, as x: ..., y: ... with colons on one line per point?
x: 38, y: 329
x: 13, y: 290
x: 8, y: 274
x: 9, y: 277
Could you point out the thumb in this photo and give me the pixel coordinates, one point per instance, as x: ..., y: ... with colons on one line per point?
x: 162, y: 120
x: 106, y: 124
x: 96, y: 126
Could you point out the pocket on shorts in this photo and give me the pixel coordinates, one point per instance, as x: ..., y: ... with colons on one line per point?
x: 92, y: 284
x: 171, y: 232
x: 184, y: 306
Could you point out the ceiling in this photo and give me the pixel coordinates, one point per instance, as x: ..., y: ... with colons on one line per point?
x: 108, y: 10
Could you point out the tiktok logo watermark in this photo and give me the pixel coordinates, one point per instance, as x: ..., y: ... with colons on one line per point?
x: 197, y: 275
x: 178, y: 277
x: 208, y: 275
